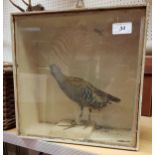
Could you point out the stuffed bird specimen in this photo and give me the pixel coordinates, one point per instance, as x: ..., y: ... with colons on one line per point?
x: 81, y: 91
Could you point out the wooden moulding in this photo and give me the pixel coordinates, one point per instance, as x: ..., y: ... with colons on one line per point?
x: 139, y: 87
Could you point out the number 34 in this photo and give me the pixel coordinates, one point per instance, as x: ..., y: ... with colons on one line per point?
x: 122, y: 28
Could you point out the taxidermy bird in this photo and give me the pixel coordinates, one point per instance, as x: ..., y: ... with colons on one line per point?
x: 37, y: 7
x: 82, y: 92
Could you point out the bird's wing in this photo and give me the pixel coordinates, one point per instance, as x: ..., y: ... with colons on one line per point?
x: 89, y: 93
x: 82, y: 88
x: 104, y: 94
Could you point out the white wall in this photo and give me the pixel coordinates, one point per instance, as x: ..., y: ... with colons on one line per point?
x: 59, y: 5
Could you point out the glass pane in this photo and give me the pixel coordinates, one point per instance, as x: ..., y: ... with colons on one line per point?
x: 76, y: 80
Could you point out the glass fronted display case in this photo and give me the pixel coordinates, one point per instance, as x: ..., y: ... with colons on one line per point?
x: 78, y: 75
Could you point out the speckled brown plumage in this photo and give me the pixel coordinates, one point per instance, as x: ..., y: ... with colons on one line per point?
x: 81, y: 91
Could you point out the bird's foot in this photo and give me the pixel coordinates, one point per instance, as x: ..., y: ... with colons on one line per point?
x: 72, y: 124
x: 98, y: 127
x: 86, y: 123
x: 67, y: 123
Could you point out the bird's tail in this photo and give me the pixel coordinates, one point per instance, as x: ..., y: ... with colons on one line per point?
x: 113, y: 98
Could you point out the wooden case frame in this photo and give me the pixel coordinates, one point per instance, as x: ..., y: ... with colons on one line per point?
x: 15, y: 66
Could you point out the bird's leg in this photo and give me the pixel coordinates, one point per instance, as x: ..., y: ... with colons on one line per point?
x: 82, y: 122
x: 73, y: 124
x: 81, y: 112
x: 89, y: 116
x: 87, y: 123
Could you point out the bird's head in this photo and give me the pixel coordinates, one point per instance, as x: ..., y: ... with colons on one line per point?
x: 54, y: 69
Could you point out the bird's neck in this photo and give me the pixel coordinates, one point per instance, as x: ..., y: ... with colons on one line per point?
x: 59, y: 76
